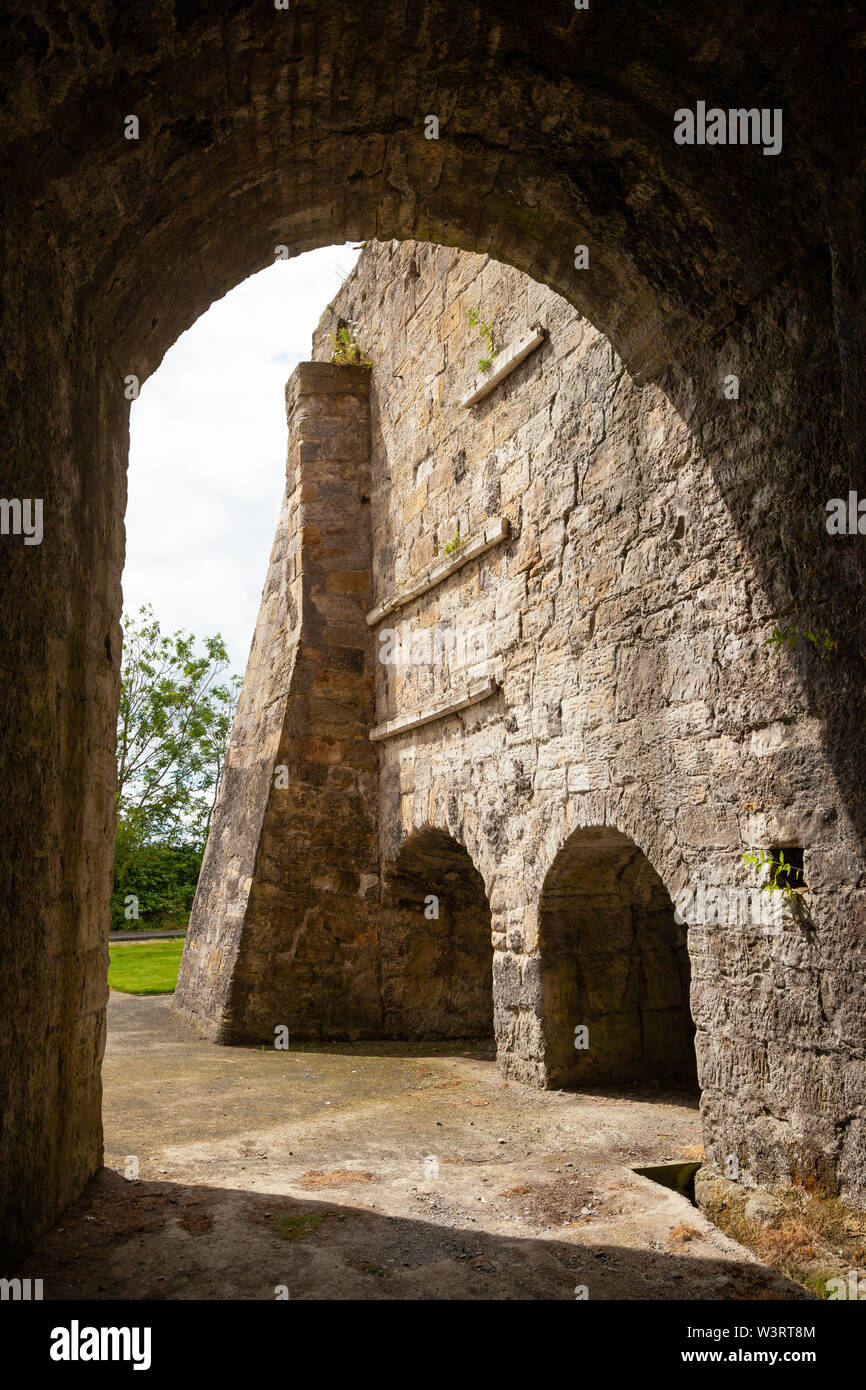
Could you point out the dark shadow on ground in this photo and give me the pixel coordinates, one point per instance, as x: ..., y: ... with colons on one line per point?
x: 146, y: 1240
x: 644, y: 1091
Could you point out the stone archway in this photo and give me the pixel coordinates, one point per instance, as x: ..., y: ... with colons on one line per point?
x: 615, y: 963
x: 261, y: 128
x: 435, y: 945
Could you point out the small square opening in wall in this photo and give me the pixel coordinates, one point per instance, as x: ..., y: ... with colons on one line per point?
x: 790, y: 861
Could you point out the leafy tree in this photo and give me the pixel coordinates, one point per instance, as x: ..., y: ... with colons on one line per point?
x: 172, y: 733
x: 154, y: 884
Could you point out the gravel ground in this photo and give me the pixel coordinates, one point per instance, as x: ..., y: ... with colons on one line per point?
x: 378, y: 1171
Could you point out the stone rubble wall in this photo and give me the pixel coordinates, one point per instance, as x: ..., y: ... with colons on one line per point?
x: 626, y: 620
x: 262, y: 128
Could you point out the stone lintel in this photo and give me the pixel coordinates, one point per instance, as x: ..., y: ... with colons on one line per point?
x: 494, y: 532
x: 504, y: 363
x: 403, y: 722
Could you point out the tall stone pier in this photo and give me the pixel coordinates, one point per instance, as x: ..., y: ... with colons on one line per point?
x: 282, y: 932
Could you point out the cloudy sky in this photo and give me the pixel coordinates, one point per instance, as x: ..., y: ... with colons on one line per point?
x: 208, y: 452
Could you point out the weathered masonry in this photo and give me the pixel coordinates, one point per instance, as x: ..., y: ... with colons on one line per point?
x: 304, y: 127
x: 511, y: 695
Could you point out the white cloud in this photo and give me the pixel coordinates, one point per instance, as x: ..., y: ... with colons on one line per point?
x: 208, y: 452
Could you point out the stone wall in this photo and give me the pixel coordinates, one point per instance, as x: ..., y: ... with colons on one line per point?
x: 623, y: 621
x: 434, y: 943
x: 305, y: 127
x: 614, y: 963
x: 60, y: 605
x: 626, y: 621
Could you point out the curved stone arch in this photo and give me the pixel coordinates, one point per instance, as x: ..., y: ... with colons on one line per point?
x: 430, y: 828
x: 295, y: 127
x: 455, y: 814
x: 643, y: 827
x: 311, y: 123
x: 613, y: 966
x: 435, y: 946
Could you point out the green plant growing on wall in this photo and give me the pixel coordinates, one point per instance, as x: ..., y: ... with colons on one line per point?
x: 347, y: 352
x: 453, y: 544
x: 784, y: 877
x: 485, y: 331
x: 822, y: 642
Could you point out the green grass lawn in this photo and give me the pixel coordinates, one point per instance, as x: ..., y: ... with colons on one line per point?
x: 145, y: 967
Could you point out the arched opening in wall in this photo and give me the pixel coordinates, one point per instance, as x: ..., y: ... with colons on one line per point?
x: 615, y: 968
x: 246, y: 140
x: 436, y: 956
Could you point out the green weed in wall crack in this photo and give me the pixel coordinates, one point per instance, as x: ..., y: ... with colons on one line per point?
x: 347, y: 352
x: 486, y: 333
x: 822, y: 642
x: 785, y: 878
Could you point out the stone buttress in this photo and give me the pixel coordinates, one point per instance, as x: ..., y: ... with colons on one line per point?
x: 283, y: 926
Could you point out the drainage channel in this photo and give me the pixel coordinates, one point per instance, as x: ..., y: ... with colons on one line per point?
x: 679, y: 1177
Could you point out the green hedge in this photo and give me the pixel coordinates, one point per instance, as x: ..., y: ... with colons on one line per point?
x: 162, y: 877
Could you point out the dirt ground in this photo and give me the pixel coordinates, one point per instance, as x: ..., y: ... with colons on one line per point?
x: 378, y: 1171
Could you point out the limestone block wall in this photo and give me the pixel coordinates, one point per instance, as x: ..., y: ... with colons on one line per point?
x: 621, y: 729
x: 281, y: 931
x: 625, y: 620
x: 435, y: 964
x: 701, y: 261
